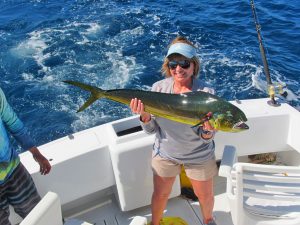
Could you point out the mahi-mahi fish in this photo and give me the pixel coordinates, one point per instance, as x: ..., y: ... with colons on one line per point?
x: 190, y: 108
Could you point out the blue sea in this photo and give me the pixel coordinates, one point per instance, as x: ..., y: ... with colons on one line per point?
x: 122, y: 43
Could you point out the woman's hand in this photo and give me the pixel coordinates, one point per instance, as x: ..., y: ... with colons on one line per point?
x: 137, y: 107
x: 207, y: 128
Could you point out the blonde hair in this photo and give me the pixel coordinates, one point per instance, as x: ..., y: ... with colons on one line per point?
x: 165, y: 68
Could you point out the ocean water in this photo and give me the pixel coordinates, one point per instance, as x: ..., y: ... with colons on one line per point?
x: 122, y: 43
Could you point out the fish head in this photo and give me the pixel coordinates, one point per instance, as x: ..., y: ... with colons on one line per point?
x: 229, y: 121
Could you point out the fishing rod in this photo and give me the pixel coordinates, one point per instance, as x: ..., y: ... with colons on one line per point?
x: 272, y: 88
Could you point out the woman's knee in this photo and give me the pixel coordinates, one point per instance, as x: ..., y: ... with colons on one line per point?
x: 161, y: 193
x: 162, y: 186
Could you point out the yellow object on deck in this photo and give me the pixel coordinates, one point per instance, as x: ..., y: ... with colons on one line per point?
x: 171, y: 221
x: 184, y: 180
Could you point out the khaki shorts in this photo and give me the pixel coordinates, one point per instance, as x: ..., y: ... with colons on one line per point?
x: 167, y: 168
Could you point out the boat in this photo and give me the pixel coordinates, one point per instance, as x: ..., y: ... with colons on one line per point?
x: 102, y: 175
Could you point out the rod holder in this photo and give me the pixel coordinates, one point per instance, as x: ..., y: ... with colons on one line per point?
x: 274, y: 88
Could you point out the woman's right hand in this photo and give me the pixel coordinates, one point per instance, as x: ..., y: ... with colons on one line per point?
x: 137, y: 107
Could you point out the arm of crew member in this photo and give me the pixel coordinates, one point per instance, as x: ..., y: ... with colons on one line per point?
x: 45, y: 166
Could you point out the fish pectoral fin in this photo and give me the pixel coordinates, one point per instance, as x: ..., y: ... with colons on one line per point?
x: 87, y: 103
x: 205, y: 118
x: 198, y: 124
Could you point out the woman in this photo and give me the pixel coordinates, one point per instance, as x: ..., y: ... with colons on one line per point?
x: 178, y: 144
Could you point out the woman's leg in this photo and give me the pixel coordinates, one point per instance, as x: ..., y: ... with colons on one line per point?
x: 162, y: 190
x: 204, y: 191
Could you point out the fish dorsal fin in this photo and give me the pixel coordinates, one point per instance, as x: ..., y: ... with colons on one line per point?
x: 192, y: 93
x: 212, y: 97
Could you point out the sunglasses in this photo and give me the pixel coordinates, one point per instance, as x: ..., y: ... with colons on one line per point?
x: 184, y: 64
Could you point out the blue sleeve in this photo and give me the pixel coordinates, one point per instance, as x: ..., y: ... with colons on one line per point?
x: 13, y: 124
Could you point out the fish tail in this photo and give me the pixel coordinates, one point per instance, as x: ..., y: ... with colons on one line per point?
x: 96, y: 93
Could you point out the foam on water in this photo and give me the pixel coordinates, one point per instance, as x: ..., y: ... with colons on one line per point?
x: 122, y: 70
x: 260, y: 83
x: 121, y: 44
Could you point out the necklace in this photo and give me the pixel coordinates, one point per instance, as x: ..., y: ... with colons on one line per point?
x: 182, y: 89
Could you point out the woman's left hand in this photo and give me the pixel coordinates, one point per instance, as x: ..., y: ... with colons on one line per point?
x: 208, y: 130
x: 207, y: 126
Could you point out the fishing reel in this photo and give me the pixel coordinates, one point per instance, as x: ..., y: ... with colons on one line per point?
x: 276, y: 89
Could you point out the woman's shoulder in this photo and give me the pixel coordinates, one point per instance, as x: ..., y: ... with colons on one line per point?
x: 164, y: 85
x: 199, y: 85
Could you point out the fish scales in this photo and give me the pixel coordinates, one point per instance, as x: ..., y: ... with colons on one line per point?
x: 189, y: 108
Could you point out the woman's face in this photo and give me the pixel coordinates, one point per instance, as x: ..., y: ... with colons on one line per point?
x: 181, y: 68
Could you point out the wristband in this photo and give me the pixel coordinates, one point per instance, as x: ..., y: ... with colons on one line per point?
x: 141, y: 119
x: 206, y: 132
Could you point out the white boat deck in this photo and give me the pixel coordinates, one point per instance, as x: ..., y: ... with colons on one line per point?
x: 109, y: 212
x: 104, y: 177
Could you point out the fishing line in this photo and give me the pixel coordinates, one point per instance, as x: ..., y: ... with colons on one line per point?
x: 273, y: 88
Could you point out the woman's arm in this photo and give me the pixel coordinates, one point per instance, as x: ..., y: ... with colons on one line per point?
x: 147, y: 121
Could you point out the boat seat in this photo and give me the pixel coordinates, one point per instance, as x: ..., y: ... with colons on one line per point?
x: 48, y: 212
x: 261, y: 194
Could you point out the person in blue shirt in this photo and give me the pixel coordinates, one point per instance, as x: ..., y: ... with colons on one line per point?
x: 16, y: 185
